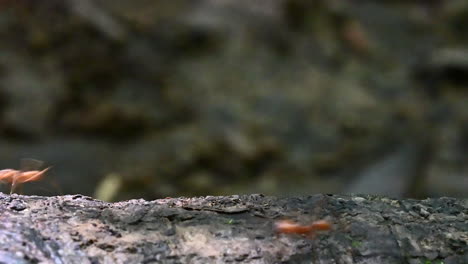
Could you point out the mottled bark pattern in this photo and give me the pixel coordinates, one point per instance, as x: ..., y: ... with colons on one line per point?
x: 235, y: 229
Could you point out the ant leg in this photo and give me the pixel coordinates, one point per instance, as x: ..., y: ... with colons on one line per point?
x: 13, y: 183
x: 311, y: 235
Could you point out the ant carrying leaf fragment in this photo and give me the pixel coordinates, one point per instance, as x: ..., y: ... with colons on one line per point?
x: 29, y: 172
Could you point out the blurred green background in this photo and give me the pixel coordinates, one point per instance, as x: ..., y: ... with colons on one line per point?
x: 148, y: 99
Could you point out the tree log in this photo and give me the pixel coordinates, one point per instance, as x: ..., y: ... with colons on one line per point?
x: 232, y: 229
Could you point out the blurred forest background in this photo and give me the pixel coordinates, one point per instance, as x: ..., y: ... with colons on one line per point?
x: 148, y: 99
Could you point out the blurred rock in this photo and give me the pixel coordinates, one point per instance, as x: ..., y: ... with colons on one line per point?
x: 31, y: 92
x: 448, y: 169
x: 216, y: 97
x: 392, y: 176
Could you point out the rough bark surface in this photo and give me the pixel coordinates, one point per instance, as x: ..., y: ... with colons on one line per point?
x: 231, y: 229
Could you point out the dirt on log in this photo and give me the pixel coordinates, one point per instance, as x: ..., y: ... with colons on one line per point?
x: 231, y: 229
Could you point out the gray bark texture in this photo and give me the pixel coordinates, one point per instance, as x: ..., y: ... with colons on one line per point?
x: 232, y: 229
